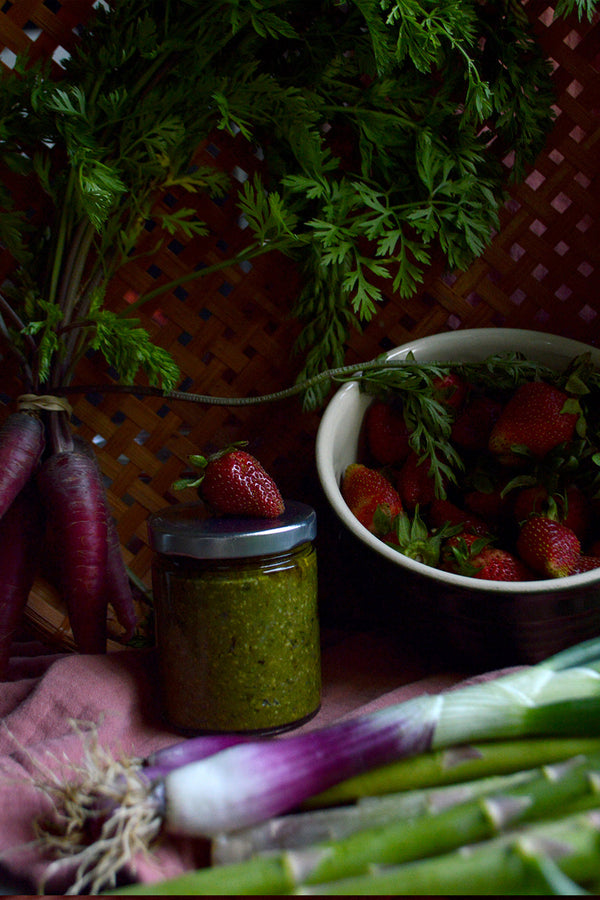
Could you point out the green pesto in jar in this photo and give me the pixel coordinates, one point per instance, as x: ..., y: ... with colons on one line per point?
x: 237, y: 635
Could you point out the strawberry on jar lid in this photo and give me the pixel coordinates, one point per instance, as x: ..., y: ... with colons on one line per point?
x: 233, y: 483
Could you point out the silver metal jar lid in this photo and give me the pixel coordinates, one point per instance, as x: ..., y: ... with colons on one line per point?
x: 186, y: 530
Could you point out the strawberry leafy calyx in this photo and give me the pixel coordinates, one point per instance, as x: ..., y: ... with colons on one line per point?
x: 572, y: 407
x: 202, y: 462
x: 411, y: 536
x: 383, y: 521
x: 465, y: 553
x: 566, y: 463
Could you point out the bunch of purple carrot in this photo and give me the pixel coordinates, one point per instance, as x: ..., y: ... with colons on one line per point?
x: 53, y: 504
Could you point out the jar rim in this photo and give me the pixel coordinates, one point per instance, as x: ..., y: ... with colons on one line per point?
x: 189, y: 530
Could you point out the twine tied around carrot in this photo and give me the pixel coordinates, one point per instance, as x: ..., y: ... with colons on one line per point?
x: 47, y: 402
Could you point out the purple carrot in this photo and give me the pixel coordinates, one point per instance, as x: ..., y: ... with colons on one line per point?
x: 21, y: 531
x: 21, y: 446
x: 73, y: 497
x: 118, y: 586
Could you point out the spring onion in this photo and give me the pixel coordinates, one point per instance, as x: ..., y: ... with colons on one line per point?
x: 191, y: 750
x: 255, y: 780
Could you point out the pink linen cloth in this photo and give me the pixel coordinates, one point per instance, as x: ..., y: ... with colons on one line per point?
x: 49, y: 694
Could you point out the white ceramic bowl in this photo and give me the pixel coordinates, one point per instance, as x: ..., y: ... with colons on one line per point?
x: 569, y: 607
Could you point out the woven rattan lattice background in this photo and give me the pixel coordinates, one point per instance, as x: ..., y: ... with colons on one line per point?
x: 231, y: 332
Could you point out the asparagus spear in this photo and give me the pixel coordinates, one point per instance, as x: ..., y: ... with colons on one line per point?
x: 571, y: 784
x: 334, y: 823
x: 451, y: 765
x: 558, y: 857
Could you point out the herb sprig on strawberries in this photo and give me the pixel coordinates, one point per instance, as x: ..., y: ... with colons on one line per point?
x: 428, y: 417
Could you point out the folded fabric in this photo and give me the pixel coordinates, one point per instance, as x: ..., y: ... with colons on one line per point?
x: 52, y: 700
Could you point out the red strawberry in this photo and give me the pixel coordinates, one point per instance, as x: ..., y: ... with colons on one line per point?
x: 450, y: 390
x: 488, y: 505
x: 415, y: 484
x: 533, y: 419
x: 473, y: 425
x: 443, y: 512
x: 548, y: 547
x: 585, y: 564
x: 371, y: 497
x: 234, y: 483
x: 529, y: 501
x: 474, y: 556
x: 495, y: 564
x: 572, y: 508
x: 387, y: 433
x: 578, y: 512
x: 594, y: 549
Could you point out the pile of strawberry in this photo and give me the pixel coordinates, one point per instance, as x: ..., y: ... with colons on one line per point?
x: 482, y: 475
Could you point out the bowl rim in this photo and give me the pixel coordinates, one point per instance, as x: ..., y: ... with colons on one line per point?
x: 333, y: 493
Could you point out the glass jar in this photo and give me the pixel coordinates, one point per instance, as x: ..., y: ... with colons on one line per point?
x: 236, y: 619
